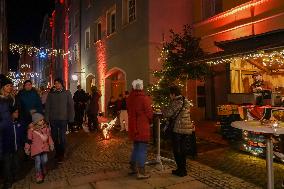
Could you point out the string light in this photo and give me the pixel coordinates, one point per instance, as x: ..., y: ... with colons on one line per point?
x: 35, y: 51
x: 18, y: 78
x: 267, y: 59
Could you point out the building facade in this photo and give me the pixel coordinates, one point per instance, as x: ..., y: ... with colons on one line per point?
x: 59, y: 67
x: 74, y: 25
x: 121, y: 41
x: 44, y: 59
x: 3, y: 39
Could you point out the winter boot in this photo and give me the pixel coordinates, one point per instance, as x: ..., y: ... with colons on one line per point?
x: 142, y: 173
x: 44, y: 170
x: 39, y: 178
x: 133, y: 168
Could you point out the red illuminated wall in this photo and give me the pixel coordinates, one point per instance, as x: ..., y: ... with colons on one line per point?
x: 66, y: 48
x: 52, y: 25
x: 253, y: 17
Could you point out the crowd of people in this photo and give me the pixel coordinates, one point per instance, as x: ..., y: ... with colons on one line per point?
x: 35, y: 122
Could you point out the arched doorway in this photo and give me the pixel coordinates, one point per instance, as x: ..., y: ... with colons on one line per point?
x: 90, y: 81
x: 115, y: 83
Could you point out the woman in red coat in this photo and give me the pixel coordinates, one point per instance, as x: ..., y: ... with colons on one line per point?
x: 140, y: 115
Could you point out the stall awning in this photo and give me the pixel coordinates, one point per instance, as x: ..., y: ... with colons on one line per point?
x: 265, y: 48
x: 254, y: 42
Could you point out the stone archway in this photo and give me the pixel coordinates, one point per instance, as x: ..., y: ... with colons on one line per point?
x: 115, y: 83
x: 90, y: 81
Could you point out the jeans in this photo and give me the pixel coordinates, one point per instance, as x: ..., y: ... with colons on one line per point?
x: 40, y: 162
x: 58, y: 130
x: 139, y: 153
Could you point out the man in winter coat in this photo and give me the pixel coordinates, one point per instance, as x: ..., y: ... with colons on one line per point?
x: 28, y: 100
x: 180, y: 107
x: 80, y: 99
x: 140, y: 115
x: 59, y: 111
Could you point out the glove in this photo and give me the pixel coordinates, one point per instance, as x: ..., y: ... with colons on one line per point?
x: 51, y: 147
x: 27, y: 151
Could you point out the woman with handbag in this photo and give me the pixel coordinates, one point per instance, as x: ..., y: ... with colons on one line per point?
x: 182, y: 127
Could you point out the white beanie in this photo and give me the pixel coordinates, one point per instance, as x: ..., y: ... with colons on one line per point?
x: 137, y: 84
x: 36, y: 117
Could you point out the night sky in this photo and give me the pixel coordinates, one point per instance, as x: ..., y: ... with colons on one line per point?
x: 24, y: 22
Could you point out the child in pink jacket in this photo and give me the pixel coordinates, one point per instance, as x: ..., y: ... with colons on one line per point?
x: 39, y: 144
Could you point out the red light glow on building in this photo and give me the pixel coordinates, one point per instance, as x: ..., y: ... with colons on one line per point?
x: 66, y: 43
x: 52, y: 45
x: 101, y: 68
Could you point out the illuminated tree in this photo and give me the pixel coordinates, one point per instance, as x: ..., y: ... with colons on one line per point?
x: 180, y: 62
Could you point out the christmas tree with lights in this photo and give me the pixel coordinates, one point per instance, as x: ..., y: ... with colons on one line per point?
x: 180, y: 63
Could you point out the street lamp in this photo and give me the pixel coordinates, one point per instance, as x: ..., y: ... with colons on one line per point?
x: 75, y: 77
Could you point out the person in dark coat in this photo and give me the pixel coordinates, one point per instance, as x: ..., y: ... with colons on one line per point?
x: 179, y: 107
x: 123, y: 116
x: 13, y: 145
x: 140, y: 115
x: 28, y: 100
x: 112, y: 107
x: 59, y: 111
x: 93, y: 109
x: 80, y: 99
x: 7, y: 102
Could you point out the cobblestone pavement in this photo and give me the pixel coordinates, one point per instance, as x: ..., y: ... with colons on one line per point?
x: 234, y: 162
x: 247, y: 167
x: 89, y: 154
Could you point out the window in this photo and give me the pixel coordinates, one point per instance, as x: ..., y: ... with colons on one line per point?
x: 76, y: 20
x: 131, y: 10
x: 87, y: 38
x: 90, y: 3
x: 76, y: 52
x: 211, y: 8
x: 128, y: 11
x: 111, y: 21
x: 98, y: 31
x: 70, y: 27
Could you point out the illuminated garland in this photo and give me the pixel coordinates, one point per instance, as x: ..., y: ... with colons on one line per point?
x: 18, y: 78
x: 268, y: 58
x: 41, y: 52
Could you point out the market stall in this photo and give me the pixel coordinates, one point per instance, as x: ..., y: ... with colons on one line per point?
x: 256, y: 85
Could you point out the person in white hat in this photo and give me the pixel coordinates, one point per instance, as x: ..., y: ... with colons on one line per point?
x: 140, y: 115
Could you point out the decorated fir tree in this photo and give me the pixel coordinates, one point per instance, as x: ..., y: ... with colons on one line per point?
x: 180, y: 63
